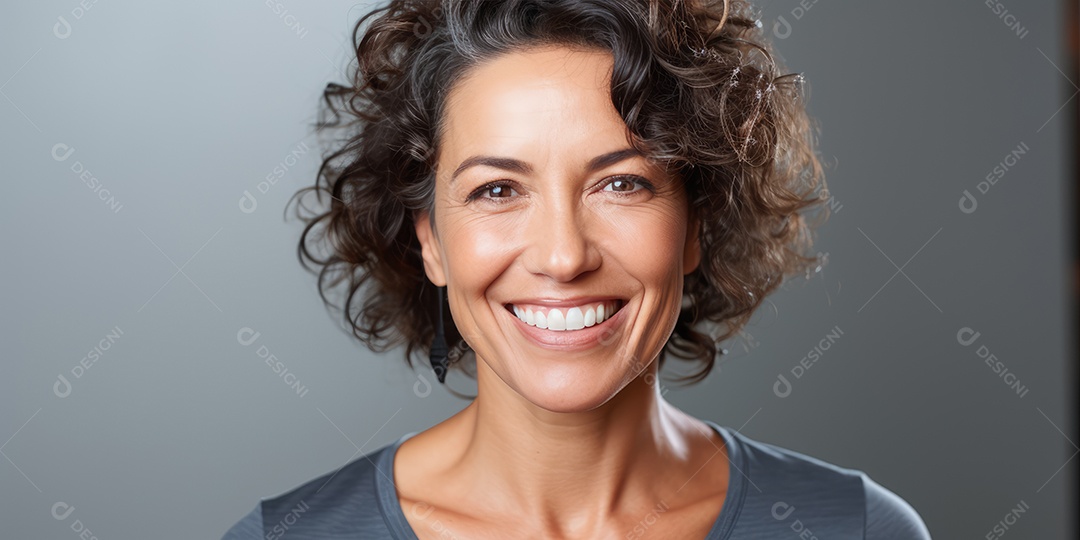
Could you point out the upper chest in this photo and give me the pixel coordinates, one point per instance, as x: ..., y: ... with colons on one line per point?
x: 442, y: 522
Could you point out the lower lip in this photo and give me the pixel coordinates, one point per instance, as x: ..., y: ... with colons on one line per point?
x: 570, y: 340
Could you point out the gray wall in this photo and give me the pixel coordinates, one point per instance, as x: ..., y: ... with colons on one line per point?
x: 176, y: 110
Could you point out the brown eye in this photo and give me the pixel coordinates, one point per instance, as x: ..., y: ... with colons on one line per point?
x: 496, y: 190
x: 627, y: 184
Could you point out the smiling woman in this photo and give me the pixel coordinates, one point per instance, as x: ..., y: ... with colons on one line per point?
x: 585, y: 185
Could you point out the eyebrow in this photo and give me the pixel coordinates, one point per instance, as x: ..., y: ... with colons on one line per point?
x: 521, y: 167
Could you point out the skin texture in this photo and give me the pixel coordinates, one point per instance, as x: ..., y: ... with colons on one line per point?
x: 558, y: 444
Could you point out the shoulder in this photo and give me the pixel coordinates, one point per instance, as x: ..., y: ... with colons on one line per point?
x: 782, y: 470
x: 811, y: 496
x: 890, y: 517
x: 248, y: 528
x: 340, y: 502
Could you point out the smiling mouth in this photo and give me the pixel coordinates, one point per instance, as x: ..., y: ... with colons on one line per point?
x: 566, y: 318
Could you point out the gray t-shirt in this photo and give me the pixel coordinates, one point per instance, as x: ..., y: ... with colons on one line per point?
x: 772, y: 493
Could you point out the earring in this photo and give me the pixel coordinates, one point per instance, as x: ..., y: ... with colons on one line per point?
x: 438, y: 346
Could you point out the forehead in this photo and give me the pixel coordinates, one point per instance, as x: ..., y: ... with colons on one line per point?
x: 537, y: 104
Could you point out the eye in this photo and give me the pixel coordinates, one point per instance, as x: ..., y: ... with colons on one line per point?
x: 625, y: 184
x: 497, y: 190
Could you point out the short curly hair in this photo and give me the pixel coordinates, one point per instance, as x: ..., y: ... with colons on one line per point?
x: 698, y: 86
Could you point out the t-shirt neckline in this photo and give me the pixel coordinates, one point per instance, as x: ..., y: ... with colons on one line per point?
x: 394, y: 515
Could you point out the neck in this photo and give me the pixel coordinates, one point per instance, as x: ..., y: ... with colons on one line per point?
x: 575, y: 470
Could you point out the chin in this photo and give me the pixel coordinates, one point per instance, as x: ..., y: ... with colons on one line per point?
x: 570, y: 390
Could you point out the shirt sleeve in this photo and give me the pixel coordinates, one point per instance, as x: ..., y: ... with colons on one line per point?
x: 889, y: 517
x: 248, y: 528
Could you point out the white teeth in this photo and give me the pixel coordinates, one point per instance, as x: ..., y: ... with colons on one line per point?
x: 556, y: 320
x: 575, y: 319
x: 566, y: 319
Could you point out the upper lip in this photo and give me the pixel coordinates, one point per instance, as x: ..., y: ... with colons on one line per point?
x: 565, y: 302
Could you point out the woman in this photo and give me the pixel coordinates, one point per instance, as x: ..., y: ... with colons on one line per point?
x: 588, y: 182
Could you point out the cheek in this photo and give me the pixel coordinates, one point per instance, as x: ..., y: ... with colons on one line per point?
x: 647, y: 241
x: 478, y: 250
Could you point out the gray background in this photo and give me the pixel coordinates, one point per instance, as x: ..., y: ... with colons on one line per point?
x: 178, y: 109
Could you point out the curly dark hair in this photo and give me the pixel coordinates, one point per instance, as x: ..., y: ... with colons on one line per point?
x: 698, y: 86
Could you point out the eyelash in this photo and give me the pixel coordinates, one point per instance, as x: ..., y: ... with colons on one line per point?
x: 645, y: 184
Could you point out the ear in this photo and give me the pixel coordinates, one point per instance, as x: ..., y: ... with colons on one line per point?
x: 431, y: 248
x: 692, y: 249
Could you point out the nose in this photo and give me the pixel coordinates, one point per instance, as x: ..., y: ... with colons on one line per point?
x: 561, y: 244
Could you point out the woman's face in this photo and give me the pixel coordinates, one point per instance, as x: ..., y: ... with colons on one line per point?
x: 543, y: 208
